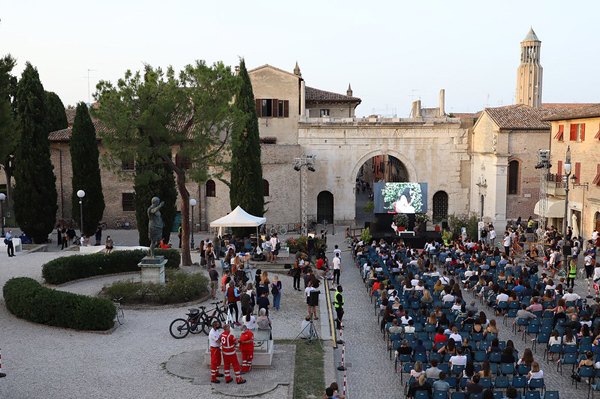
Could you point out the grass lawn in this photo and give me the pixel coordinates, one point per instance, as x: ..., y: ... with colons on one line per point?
x: 309, y: 380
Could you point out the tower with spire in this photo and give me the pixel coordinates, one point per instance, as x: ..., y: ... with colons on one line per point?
x: 529, y: 74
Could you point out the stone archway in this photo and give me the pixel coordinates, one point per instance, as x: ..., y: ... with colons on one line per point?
x: 407, y: 162
x: 325, y: 207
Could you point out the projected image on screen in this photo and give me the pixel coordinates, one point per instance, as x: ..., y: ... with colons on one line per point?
x: 403, y: 198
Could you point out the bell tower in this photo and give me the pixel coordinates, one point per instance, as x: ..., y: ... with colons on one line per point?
x: 529, y: 74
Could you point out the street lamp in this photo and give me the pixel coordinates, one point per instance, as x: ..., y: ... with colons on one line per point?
x: 193, y: 204
x: 81, y: 194
x: 307, y: 162
x: 567, y: 171
x: 2, y: 198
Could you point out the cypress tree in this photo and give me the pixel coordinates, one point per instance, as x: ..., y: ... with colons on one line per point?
x: 57, y: 117
x: 154, y: 178
x: 247, y: 187
x: 86, y: 171
x: 35, y: 197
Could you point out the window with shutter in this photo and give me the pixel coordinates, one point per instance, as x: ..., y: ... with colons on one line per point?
x: 577, y: 172
x: 596, y: 180
x: 573, y: 135
x: 582, y: 134
x: 560, y: 171
x: 275, y: 108
x: 560, y: 136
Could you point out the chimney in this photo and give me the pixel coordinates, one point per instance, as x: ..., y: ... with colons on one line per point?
x: 349, y: 91
x: 442, y: 102
x: 416, y: 109
x: 237, y: 70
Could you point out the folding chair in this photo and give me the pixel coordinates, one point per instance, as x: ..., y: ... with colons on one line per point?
x: 536, y: 383
x: 501, y: 382
x: 532, y: 395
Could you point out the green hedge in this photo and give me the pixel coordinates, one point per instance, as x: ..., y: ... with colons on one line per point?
x: 69, y: 268
x: 29, y: 300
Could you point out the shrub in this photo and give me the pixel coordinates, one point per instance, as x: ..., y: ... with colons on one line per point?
x: 366, y: 236
x: 179, y: 287
x: 27, y: 299
x: 69, y: 268
x: 300, y: 244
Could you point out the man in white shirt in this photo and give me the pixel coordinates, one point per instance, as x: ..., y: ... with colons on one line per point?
x: 214, y: 339
x: 571, y: 296
x: 506, y: 243
x: 459, y: 359
x: 337, y: 251
x: 448, y: 298
x: 444, y: 279
x: 275, y: 252
x: 337, y: 269
x: 492, y: 236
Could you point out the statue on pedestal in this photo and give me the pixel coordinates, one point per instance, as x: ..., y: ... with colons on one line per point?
x: 155, y: 224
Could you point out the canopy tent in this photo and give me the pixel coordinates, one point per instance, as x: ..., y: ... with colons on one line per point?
x: 238, y: 218
x: 555, y: 208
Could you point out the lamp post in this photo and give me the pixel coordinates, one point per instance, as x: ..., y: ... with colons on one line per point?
x: 193, y: 204
x: 307, y: 162
x: 567, y: 171
x: 2, y: 198
x: 81, y: 194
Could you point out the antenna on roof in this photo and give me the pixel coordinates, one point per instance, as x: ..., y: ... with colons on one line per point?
x: 88, y: 78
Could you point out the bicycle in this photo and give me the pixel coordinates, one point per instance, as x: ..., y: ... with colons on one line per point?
x: 198, y: 320
x: 120, y: 314
x: 280, y: 229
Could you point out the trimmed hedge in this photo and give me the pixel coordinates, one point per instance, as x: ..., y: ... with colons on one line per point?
x: 69, y: 268
x: 27, y: 299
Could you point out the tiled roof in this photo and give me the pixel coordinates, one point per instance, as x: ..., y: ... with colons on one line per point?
x: 65, y: 134
x: 531, y: 36
x: 521, y: 116
x: 313, y: 94
x: 589, y: 111
x: 566, y: 105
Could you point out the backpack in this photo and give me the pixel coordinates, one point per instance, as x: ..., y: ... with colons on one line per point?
x: 274, y: 290
x: 278, y: 246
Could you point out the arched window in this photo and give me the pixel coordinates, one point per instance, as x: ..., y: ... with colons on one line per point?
x: 440, y: 205
x: 265, y: 188
x: 513, y: 177
x: 211, y: 189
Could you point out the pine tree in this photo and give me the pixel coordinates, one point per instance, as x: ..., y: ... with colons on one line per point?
x: 57, y: 117
x: 35, y: 197
x: 153, y: 178
x: 86, y: 171
x: 247, y: 187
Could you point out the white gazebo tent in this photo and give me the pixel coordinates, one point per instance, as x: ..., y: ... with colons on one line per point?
x: 238, y: 218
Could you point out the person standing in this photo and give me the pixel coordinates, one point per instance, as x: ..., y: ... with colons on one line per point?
x: 492, y: 236
x: 297, y: 273
x: 247, y: 348
x: 310, y: 245
x: 214, y: 339
x: 214, y: 281
x: 506, y: 243
x: 275, y: 246
x: 8, y: 240
x: 230, y: 359
x: 339, y: 306
x: 99, y: 235
x: 312, y: 309
x: 572, y: 275
x: 276, y: 291
x: 589, y: 266
x: 337, y: 268
x: 58, y: 236
x: 233, y: 297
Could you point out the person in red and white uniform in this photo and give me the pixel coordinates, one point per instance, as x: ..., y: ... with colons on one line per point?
x: 247, y: 348
x: 214, y: 340
x: 230, y: 359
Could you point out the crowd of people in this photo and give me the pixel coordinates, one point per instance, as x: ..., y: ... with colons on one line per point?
x: 444, y: 341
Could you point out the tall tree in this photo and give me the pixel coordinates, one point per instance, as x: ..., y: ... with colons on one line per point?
x: 153, y: 178
x: 57, y: 117
x: 247, y: 187
x: 8, y: 132
x: 158, y: 112
x: 35, y: 197
x: 86, y: 171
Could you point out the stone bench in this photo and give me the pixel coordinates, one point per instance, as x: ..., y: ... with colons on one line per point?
x: 16, y: 243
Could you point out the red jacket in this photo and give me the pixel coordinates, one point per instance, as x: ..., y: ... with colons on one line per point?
x: 228, y: 342
x: 246, y: 336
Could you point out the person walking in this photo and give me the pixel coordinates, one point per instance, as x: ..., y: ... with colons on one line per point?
x: 572, y: 273
x: 275, y: 246
x: 233, y: 297
x: 339, y: 306
x: 58, y: 236
x: 337, y: 268
x: 8, y: 240
x: 214, y: 339
x: 98, y: 235
x: 214, y: 281
x: 230, y: 359
x: 247, y: 348
x: 276, y: 291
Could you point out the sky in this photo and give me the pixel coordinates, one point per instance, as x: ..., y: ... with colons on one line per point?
x: 391, y: 52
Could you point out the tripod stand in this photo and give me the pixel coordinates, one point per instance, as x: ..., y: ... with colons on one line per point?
x: 309, y: 332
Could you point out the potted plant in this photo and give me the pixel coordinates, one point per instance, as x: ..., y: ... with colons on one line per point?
x: 401, y: 221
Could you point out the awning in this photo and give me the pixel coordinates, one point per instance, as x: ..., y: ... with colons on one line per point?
x: 555, y: 208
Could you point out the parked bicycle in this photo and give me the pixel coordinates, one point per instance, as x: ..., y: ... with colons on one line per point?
x: 279, y: 229
x: 120, y: 314
x: 198, y: 320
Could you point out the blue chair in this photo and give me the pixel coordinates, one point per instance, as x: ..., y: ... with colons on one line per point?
x: 556, y: 348
x: 425, y: 395
x: 445, y: 367
x: 420, y: 357
x: 406, y: 368
x: 498, y: 395
x: 495, y: 357
x: 479, y: 356
x: 476, y: 396
x: 542, y: 338
x: 519, y: 382
x: 459, y: 395
x: 586, y: 372
x: 569, y: 358
x: 501, y: 382
x: 507, y: 368
x: 457, y: 370
x: 402, y: 358
x: 536, y: 383
x: 486, y: 382
x: 551, y: 395
x: 523, y: 369
x: 440, y: 395
x: 532, y: 395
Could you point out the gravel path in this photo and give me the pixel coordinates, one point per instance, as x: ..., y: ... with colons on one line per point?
x: 50, y: 362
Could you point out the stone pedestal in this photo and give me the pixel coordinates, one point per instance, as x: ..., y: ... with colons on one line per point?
x: 263, y: 349
x: 153, y: 269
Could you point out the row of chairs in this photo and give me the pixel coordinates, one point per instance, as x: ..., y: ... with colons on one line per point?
x: 497, y: 395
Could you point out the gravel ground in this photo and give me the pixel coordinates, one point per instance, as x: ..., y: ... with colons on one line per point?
x: 50, y: 362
